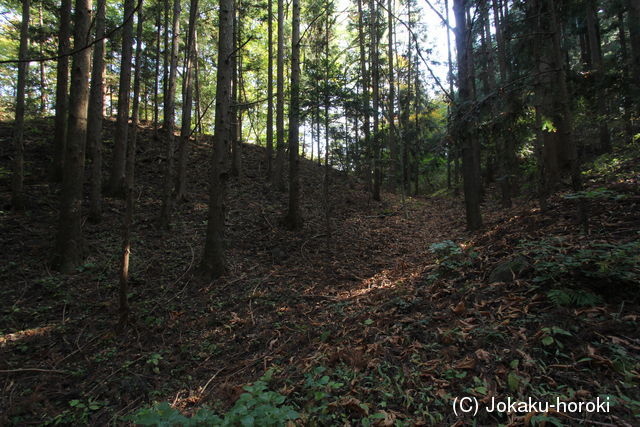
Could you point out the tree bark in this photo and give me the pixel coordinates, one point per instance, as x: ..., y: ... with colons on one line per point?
x: 278, y: 181
x: 43, y: 80
x: 364, y: 76
x: 187, y: 104
x: 156, y: 82
x: 236, y: 146
x: 625, y: 84
x: 634, y: 36
x: 593, y: 30
x: 96, y: 111
x: 377, y: 172
x: 213, y: 261
x: 464, y: 120
x: 294, y: 216
x: 325, y: 179
x: 169, y: 122
x: 269, y: 151
x: 391, y: 134
x: 116, y: 178
x: 127, y: 221
x: 69, y: 243
x: 62, y: 92
x: 17, y: 181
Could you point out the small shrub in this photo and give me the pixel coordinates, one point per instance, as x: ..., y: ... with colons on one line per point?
x: 451, y: 257
x: 604, y: 264
x: 605, y: 261
x: 258, y: 406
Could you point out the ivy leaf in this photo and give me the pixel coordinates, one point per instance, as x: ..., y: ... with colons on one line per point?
x: 548, y: 340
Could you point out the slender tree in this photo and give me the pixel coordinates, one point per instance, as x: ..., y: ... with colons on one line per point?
x: 127, y: 220
x: 376, y: 151
x: 156, y: 82
x: 279, y: 164
x: 391, y: 134
x: 212, y: 264
x: 236, y: 92
x: 364, y: 83
x: 327, y: 98
x: 294, y: 216
x: 169, y: 121
x: 69, y: 243
x: 187, y: 103
x: 464, y: 122
x: 625, y: 83
x: 17, y: 187
x: 269, y: 151
x: 633, y: 7
x: 43, y: 79
x: 116, y: 177
x: 96, y: 112
x: 593, y: 31
x: 62, y: 92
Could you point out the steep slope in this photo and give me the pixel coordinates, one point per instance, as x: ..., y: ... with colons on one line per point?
x: 384, y: 318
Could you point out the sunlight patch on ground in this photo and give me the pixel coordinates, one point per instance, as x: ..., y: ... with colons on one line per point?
x: 17, y: 336
x: 381, y: 280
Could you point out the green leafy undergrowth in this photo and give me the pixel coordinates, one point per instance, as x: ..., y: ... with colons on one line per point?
x: 258, y: 406
x: 601, y: 265
x: 451, y: 257
x: 595, y: 194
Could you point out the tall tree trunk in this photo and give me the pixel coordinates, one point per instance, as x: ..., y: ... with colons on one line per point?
x: 43, y: 80
x: 127, y: 221
x: 634, y: 36
x: 317, y: 111
x: 17, y: 182
x: 325, y: 179
x: 187, y: 104
x: 269, y: 152
x: 406, y: 109
x: 156, y: 81
x: 377, y: 172
x: 391, y: 134
x: 278, y: 181
x: 464, y: 123
x: 169, y: 122
x: 116, y: 178
x: 213, y: 262
x: 236, y: 146
x: 294, y: 216
x: 633, y: 7
x: 197, y: 98
x: 364, y: 76
x: 625, y: 84
x: 505, y: 144
x: 69, y: 243
x: 62, y: 92
x: 593, y: 29
x: 562, y: 95
x: 452, y: 147
x: 166, y: 55
x: 96, y: 111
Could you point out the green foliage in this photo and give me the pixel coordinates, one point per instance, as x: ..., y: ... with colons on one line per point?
x: 550, y: 336
x: 451, y: 257
x: 573, y: 297
x: 78, y: 413
x: 596, y: 193
x: 319, y: 393
x: 258, y: 406
x: 154, y: 361
x: 555, y: 262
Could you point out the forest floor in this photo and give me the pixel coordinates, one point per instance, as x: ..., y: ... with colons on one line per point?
x: 382, y: 318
